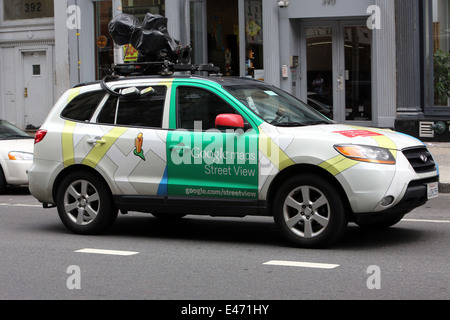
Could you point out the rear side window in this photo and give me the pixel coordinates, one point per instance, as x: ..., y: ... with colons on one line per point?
x: 82, y: 107
x: 144, y: 111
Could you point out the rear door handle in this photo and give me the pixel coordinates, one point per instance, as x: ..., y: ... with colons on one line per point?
x: 96, y: 141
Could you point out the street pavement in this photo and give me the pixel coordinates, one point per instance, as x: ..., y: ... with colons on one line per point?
x: 441, y: 154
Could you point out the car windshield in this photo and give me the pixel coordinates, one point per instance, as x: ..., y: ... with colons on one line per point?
x: 8, y: 131
x: 276, y: 106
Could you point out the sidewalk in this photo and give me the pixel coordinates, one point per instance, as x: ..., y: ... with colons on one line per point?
x: 441, y: 154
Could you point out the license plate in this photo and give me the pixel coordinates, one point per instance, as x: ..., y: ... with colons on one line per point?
x: 433, y: 190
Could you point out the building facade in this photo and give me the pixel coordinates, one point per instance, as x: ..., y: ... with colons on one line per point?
x: 381, y: 63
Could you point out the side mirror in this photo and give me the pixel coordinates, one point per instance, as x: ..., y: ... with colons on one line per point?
x: 229, y: 121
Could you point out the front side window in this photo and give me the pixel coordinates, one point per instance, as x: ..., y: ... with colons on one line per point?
x: 196, y: 105
x: 142, y: 111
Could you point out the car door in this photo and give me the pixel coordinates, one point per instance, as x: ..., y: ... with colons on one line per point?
x: 203, y: 161
x: 135, y: 160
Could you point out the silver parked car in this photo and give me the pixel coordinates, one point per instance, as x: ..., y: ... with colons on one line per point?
x: 16, y: 155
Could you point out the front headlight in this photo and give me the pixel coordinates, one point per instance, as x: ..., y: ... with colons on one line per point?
x: 17, y: 155
x: 366, y: 154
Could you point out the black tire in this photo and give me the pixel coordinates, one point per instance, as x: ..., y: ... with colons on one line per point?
x: 309, y: 212
x: 2, y: 181
x: 380, y: 222
x: 85, y: 204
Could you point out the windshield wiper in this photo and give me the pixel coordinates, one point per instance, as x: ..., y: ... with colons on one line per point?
x: 313, y: 123
x: 299, y: 124
x: 289, y: 124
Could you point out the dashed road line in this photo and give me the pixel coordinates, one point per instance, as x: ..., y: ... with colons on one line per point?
x: 108, y: 252
x: 300, y: 264
x: 20, y: 205
x: 428, y: 221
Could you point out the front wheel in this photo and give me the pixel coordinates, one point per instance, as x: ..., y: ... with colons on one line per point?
x: 309, y: 212
x: 85, y: 205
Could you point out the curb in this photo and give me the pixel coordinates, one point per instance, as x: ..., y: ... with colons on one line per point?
x: 444, y: 187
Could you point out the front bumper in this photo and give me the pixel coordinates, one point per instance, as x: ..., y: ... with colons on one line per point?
x: 416, y: 195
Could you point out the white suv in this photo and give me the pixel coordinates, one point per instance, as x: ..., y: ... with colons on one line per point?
x: 179, y: 145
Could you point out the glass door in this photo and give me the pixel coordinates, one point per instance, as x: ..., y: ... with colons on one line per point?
x: 320, y: 68
x: 196, y: 33
x: 338, y: 70
x: 357, y: 66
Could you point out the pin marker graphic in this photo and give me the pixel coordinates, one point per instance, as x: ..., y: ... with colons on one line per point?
x: 138, y: 144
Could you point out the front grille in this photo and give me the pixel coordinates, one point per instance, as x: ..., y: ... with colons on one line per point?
x: 420, y: 159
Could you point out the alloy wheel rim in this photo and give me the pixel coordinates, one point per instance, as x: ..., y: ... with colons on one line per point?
x: 306, y: 212
x: 81, y: 202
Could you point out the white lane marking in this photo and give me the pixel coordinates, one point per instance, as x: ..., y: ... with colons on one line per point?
x: 423, y: 220
x: 20, y: 205
x: 108, y: 252
x: 301, y: 264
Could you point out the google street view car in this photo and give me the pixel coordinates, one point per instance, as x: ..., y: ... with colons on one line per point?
x: 173, y: 145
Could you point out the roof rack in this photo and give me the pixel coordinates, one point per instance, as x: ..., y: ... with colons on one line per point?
x: 162, y: 68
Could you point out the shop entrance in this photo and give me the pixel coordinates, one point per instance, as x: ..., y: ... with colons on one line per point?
x: 338, y: 69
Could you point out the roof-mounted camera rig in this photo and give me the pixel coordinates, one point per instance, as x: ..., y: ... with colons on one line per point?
x: 158, y: 52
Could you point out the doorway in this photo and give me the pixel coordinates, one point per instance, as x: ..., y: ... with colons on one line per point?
x: 338, y: 69
x: 36, y: 84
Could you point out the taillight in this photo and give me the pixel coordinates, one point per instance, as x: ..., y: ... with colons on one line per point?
x: 39, y: 136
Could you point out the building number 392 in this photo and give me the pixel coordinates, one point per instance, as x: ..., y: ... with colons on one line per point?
x: 30, y: 7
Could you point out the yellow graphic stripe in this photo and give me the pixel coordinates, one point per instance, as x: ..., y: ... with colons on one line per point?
x: 67, y: 143
x: 273, y: 152
x: 98, y: 151
x: 385, y: 142
x: 73, y: 93
x: 338, y: 165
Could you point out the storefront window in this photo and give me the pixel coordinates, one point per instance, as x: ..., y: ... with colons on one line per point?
x: 254, y: 63
x: 139, y: 8
x: 27, y: 9
x: 223, y: 32
x: 104, y: 42
x: 441, y: 51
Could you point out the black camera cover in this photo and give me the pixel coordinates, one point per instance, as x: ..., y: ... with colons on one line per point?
x: 150, y: 38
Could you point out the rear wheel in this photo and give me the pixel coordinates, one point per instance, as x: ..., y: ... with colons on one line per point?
x: 85, y: 204
x: 309, y: 211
